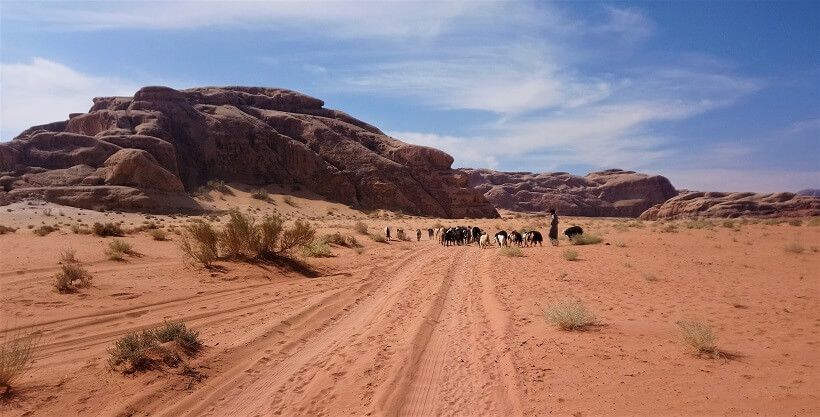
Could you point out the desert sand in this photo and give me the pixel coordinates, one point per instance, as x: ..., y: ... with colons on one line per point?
x: 416, y: 329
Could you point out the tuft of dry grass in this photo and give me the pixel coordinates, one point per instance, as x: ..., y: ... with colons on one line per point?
x: 259, y: 194
x: 6, y: 229
x: 650, y: 277
x: 795, y: 222
x: 699, y: 336
x: 289, y: 201
x: 107, y: 229
x: 117, y: 249
x: 586, y: 239
x: 44, y: 230
x: 794, y: 247
x: 80, y: 229
x: 570, y: 254
x: 158, y: 234
x: 378, y: 238
x: 65, y: 280
x: 139, y: 351
x: 16, y: 353
x: 68, y: 256
x: 512, y: 252
x: 319, y: 248
x: 569, y: 315
x: 360, y: 227
x: 199, y: 243
x: 619, y: 244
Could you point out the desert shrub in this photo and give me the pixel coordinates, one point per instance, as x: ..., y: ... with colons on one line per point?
x: 65, y: 280
x: 289, y: 201
x: 586, y: 239
x: 218, y: 185
x: 360, y: 227
x: 620, y: 226
x: 6, y: 229
x: 352, y: 242
x: 512, y: 252
x: 44, y: 230
x: 795, y: 222
x: 814, y: 222
x: 158, y: 234
x: 107, y: 229
x: 729, y: 224
x: 670, y: 228
x: 794, y: 247
x: 80, y: 229
x: 438, y: 225
x: 699, y: 336
x: 569, y: 315
x: 240, y: 238
x: 298, y: 236
x: 118, y: 248
x: 270, y: 229
x: 140, y: 350
x: 16, y: 354
x: 378, y: 238
x: 636, y: 224
x: 259, y: 194
x: 199, y: 243
x: 318, y: 248
x: 69, y: 256
x: 620, y: 244
x: 699, y: 224
x: 47, y: 211
x: 570, y: 255
x: 650, y: 277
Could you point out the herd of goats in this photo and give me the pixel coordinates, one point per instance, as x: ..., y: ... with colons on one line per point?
x: 466, y: 235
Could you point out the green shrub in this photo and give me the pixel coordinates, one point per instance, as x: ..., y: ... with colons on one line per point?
x: 319, y: 248
x: 240, y: 238
x: 16, y: 354
x: 177, y: 332
x: 586, y: 239
x: 142, y: 350
x: 270, y: 230
x: 298, y: 236
x: 65, y: 280
x: 729, y: 224
x: 107, y: 229
x: 360, y: 227
x: 569, y: 315
x: 570, y: 255
x: 670, y: 228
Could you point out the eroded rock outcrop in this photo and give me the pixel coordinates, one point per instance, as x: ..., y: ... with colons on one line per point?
x: 730, y: 205
x: 165, y: 141
x: 613, y: 193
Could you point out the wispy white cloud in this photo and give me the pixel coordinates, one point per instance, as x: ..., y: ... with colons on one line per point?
x: 44, y: 91
x: 805, y: 126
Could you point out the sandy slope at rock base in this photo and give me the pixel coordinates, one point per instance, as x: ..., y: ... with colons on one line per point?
x: 416, y: 329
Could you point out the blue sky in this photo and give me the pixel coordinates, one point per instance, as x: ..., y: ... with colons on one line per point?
x: 715, y: 95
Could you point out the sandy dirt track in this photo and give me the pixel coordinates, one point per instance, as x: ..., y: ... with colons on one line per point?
x: 415, y: 329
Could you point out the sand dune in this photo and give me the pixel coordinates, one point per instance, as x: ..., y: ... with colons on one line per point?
x: 416, y: 329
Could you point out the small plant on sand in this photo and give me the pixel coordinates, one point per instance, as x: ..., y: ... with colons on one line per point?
x: 16, y: 354
x: 44, y: 230
x: 619, y: 244
x: 338, y: 239
x: 107, y: 229
x: 80, y: 229
x: 586, y: 239
x: 729, y: 224
x: 570, y: 254
x: 298, y: 236
x: 68, y: 256
x: 143, y: 350
x: 794, y: 247
x: 512, y: 252
x: 700, y: 224
x: 240, y: 238
x: 71, y: 277
x: 289, y: 201
x: 378, y: 238
x: 699, y: 336
x: 620, y: 226
x: 47, y: 212
x: 199, y: 243
x: 814, y: 222
x: 360, y: 227
x: 319, y: 248
x: 795, y: 222
x: 259, y: 194
x: 158, y: 234
x: 117, y: 249
x: 6, y: 229
x: 650, y: 277
x: 669, y: 228
x: 569, y: 315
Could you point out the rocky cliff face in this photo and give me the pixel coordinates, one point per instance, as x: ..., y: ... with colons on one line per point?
x: 614, y: 192
x: 730, y: 205
x: 136, y: 152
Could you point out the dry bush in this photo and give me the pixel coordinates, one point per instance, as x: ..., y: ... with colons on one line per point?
x: 319, y: 248
x: 80, y: 229
x: 107, y: 229
x: 360, y: 227
x: 699, y: 224
x: 69, y: 256
x: 814, y: 222
x: 298, y: 236
x: 289, y: 201
x: 44, y: 230
x: 199, y: 243
x: 118, y: 248
x: 16, y: 354
x: 670, y: 228
x: 64, y: 281
x: 620, y: 226
x: 142, y: 350
x: 512, y: 252
x: 796, y: 222
x: 47, y: 212
x: 6, y: 229
x: 270, y: 229
x: 794, y: 247
x: 569, y: 315
x: 240, y: 238
x: 570, y: 255
x: 699, y: 336
x: 259, y: 194
x: 378, y: 238
x: 586, y: 239
x: 620, y: 244
x: 729, y: 224
x: 341, y: 240
x: 158, y: 234
x: 650, y: 277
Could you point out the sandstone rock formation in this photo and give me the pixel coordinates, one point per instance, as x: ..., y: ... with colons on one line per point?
x: 145, y: 150
x: 614, y: 193
x: 731, y: 205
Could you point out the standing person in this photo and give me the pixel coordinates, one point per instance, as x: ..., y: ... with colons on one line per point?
x: 553, y: 227
x: 387, y: 233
